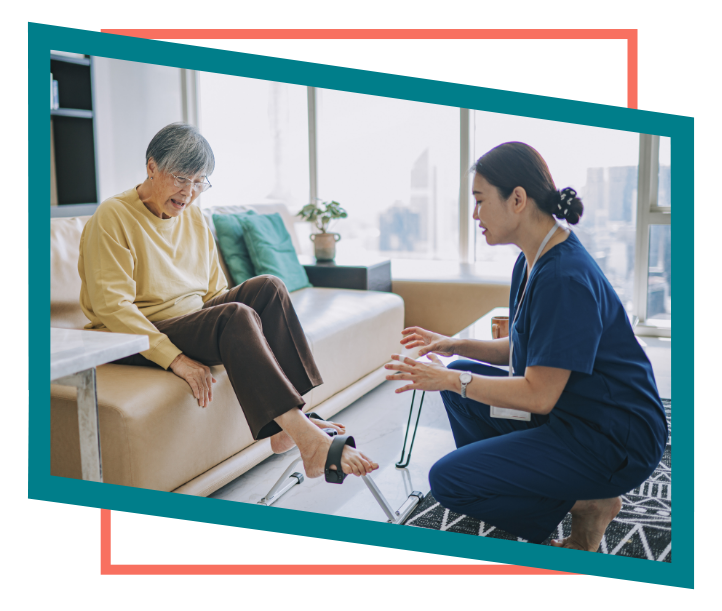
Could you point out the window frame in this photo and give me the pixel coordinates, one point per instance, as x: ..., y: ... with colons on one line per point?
x: 466, y: 227
x: 649, y: 213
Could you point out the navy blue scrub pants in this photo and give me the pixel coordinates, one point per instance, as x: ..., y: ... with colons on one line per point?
x: 518, y: 476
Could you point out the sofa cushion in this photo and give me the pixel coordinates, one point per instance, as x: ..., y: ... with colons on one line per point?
x: 351, y: 333
x: 154, y: 435
x: 270, y: 208
x: 233, y: 247
x: 271, y: 250
x: 65, y: 308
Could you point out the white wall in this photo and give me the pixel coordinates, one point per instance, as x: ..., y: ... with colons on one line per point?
x: 132, y: 102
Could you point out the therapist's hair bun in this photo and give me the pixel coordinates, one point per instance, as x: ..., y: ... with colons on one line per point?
x: 564, y: 205
x: 516, y: 164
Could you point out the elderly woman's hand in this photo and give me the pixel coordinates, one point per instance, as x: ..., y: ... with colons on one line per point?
x: 197, y: 375
x: 428, y: 340
x: 423, y: 376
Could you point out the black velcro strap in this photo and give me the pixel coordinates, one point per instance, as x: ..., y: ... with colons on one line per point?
x: 336, y: 476
x: 315, y: 416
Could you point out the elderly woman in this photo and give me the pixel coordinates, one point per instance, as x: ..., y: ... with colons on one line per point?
x: 149, y: 266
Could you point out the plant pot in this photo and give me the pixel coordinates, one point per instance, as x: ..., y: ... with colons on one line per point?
x: 325, y: 245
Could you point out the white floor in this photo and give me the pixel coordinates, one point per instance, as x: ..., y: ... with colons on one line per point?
x: 378, y: 422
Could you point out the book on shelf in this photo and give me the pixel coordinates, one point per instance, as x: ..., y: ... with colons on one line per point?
x: 53, y: 175
x: 54, y: 98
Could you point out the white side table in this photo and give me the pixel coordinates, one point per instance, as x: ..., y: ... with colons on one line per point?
x: 74, y: 355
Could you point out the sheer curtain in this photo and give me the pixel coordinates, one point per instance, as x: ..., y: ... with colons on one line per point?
x: 259, y: 134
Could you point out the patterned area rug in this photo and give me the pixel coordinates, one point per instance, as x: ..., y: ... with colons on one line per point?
x: 643, y: 529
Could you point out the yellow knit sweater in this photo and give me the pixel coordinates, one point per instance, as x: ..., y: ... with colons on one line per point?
x: 136, y: 269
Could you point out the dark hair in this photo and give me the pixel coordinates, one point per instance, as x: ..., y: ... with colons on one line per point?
x: 515, y: 164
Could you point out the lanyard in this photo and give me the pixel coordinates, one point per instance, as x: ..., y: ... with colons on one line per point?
x: 545, y: 241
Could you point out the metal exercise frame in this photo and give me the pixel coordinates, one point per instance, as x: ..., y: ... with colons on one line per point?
x: 291, y: 478
x: 403, y: 463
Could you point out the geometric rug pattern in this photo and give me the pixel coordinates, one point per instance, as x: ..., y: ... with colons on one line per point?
x: 643, y: 528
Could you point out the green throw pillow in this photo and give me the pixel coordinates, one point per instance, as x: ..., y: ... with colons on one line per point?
x: 272, y: 251
x: 233, y: 246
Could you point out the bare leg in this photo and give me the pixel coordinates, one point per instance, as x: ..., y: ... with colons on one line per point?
x: 313, y: 444
x: 589, y: 522
x: 282, y: 442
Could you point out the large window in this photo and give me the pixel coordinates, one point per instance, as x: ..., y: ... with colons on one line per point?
x: 601, y: 164
x: 259, y: 134
x: 394, y: 166
x: 401, y: 170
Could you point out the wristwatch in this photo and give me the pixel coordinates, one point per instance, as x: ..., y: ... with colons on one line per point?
x: 464, y: 378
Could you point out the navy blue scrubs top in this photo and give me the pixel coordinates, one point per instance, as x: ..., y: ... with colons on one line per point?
x: 571, y: 318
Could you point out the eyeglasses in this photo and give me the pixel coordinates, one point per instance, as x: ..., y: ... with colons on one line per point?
x: 199, y: 187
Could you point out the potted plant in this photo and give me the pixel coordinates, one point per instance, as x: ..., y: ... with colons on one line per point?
x: 321, y: 214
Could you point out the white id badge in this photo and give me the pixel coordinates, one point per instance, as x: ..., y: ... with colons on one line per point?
x: 509, y: 414
x: 505, y: 412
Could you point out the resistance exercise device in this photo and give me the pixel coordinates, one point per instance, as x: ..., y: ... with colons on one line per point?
x: 403, y: 463
x: 291, y: 478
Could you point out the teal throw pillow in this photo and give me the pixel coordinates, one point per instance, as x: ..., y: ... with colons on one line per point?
x: 233, y: 246
x: 272, y: 251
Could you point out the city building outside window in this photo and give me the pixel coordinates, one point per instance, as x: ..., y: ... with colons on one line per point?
x: 396, y: 167
x: 601, y: 164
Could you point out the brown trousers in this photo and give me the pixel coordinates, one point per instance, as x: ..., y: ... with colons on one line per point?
x: 254, y: 332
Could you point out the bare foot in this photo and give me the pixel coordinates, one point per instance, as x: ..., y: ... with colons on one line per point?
x: 589, y: 521
x: 313, y: 444
x: 282, y: 442
x: 352, y: 460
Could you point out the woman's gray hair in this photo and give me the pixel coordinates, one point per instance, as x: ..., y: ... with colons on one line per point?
x: 180, y: 149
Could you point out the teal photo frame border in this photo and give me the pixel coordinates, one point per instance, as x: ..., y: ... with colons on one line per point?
x: 274, y: 533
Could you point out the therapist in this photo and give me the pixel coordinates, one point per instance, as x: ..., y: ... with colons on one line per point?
x: 597, y: 427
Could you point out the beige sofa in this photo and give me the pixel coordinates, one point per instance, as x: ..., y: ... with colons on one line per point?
x: 154, y: 435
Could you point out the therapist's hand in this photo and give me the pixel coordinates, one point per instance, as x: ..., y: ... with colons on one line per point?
x: 422, y: 376
x: 428, y: 340
x: 197, y: 375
